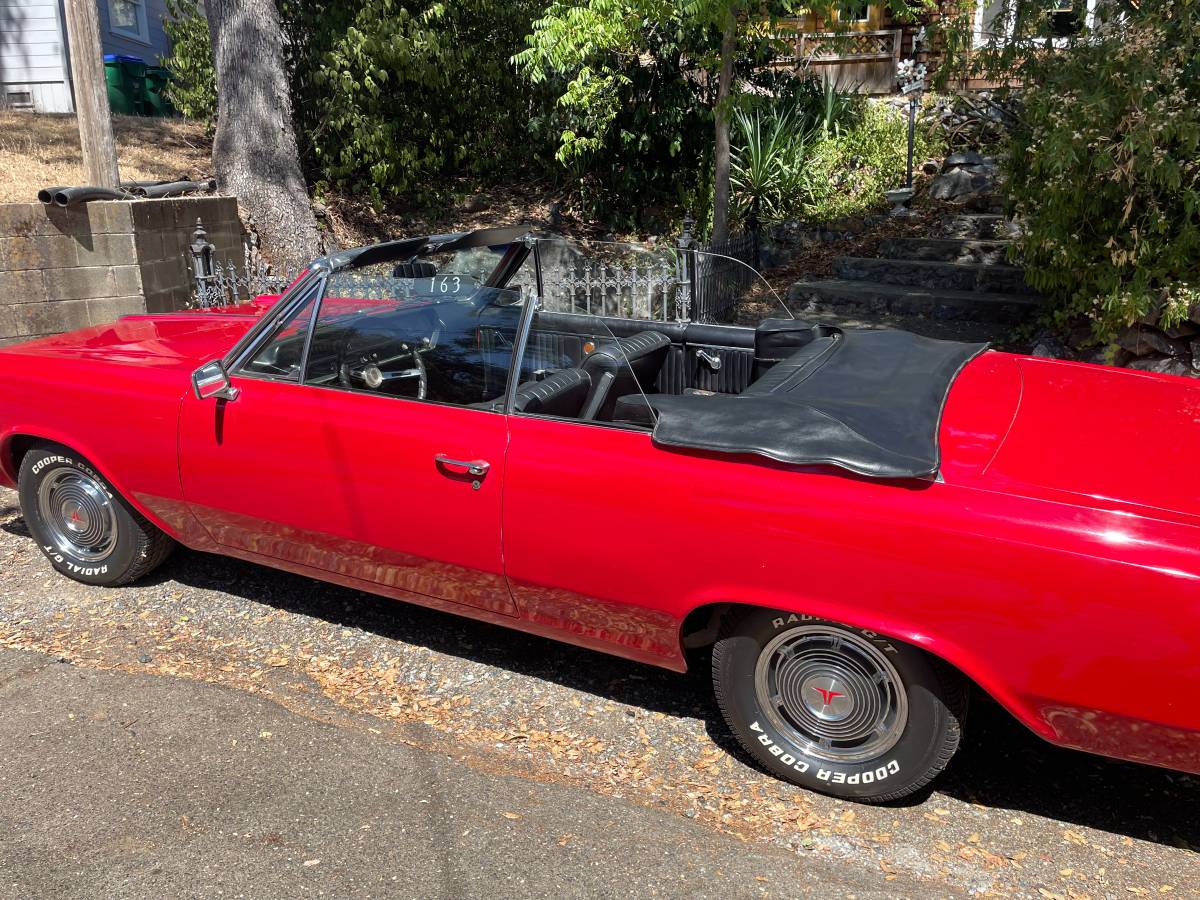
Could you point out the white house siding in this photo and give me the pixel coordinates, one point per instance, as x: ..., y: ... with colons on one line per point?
x: 33, y: 55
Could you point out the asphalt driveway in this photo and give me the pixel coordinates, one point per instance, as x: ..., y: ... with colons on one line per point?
x: 226, y: 729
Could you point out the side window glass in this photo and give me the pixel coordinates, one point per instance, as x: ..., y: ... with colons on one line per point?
x: 425, y: 329
x: 283, y: 355
x: 576, y: 367
x: 599, y: 344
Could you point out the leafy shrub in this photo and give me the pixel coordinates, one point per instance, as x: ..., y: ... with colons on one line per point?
x: 774, y: 140
x: 635, y: 121
x: 847, y: 172
x: 193, y: 86
x: 1103, y: 168
x: 395, y: 95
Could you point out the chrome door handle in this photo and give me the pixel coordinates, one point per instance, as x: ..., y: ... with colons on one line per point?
x: 476, y: 467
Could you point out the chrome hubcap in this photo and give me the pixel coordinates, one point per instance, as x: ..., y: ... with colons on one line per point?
x: 78, y: 514
x: 834, y: 693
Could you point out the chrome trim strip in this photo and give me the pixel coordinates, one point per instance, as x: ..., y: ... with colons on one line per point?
x: 531, y: 308
x: 238, y: 350
x: 254, y: 339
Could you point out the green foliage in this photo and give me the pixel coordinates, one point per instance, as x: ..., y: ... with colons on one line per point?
x: 848, y: 171
x: 771, y: 169
x: 1103, y: 168
x: 193, y: 86
x: 395, y: 95
x: 767, y: 163
x: 636, y: 83
x: 636, y: 121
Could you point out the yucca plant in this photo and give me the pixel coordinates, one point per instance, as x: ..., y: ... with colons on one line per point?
x: 767, y: 165
x: 836, y: 108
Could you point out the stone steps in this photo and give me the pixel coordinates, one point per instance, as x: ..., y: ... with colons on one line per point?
x: 958, y: 285
x: 979, y: 227
x: 960, y: 250
x: 932, y: 275
x: 875, y: 299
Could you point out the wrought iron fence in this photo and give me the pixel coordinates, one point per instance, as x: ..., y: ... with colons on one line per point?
x: 612, y: 279
x: 721, y: 275
x: 224, y: 282
x: 682, y: 281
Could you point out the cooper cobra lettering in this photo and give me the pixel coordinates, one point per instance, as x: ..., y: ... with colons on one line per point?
x: 879, y: 773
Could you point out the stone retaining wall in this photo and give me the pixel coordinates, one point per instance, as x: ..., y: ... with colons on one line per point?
x: 62, y: 269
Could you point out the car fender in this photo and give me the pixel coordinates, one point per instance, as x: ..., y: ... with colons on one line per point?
x: 42, y: 432
x: 885, y: 625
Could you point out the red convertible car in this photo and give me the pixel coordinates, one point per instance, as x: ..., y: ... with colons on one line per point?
x: 859, y: 528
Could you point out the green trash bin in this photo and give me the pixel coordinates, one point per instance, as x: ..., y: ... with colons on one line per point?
x: 125, y: 77
x: 156, y: 102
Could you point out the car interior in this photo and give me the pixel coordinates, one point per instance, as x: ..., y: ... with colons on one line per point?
x: 436, y: 332
x: 614, y: 370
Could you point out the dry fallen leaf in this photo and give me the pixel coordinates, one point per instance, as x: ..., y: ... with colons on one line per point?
x: 511, y: 815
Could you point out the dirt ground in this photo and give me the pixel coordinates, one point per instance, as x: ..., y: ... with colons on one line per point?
x: 1012, y: 816
x: 38, y: 151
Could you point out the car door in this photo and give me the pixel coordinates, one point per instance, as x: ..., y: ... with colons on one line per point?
x: 328, y: 475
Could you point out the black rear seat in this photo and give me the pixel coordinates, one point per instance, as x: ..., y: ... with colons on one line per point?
x: 793, y: 367
x: 560, y: 393
x: 622, y: 367
x: 784, y: 372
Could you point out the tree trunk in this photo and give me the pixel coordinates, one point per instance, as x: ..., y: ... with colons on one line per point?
x: 720, y: 229
x: 254, y: 151
x: 91, y: 95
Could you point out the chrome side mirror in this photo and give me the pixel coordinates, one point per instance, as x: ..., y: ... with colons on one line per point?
x: 211, y: 380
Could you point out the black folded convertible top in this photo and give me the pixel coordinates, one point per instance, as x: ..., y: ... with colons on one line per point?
x: 867, y: 401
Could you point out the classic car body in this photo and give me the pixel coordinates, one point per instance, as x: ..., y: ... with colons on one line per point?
x: 1051, y: 555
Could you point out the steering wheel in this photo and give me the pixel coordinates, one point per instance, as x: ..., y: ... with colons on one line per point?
x: 385, y: 375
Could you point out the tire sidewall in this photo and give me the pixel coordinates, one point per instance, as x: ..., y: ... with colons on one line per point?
x: 37, y: 465
x: 889, y: 773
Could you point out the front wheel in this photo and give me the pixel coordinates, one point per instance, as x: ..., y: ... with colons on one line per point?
x: 85, y: 528
x: 841, y: 710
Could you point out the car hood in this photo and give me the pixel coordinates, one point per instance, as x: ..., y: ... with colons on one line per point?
x: 175, y: 340
x: 1074, y: 431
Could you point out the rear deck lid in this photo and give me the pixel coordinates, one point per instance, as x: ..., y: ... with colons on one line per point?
x: 1105, y: 433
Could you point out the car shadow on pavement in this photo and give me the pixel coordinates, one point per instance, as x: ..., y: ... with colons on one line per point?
x: 1001, y: 764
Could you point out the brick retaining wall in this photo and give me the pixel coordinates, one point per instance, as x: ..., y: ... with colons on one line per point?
x: 62, y: 269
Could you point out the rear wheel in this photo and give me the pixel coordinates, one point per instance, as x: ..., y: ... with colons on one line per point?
x: 837, y: 709
x: 86, y: 530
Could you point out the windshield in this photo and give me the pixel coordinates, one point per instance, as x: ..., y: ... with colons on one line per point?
x: 425, y: 330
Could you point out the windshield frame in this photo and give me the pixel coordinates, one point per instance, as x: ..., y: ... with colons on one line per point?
x: 511, y: 238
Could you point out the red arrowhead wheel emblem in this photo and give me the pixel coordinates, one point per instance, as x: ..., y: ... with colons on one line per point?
x: 827, y: 695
